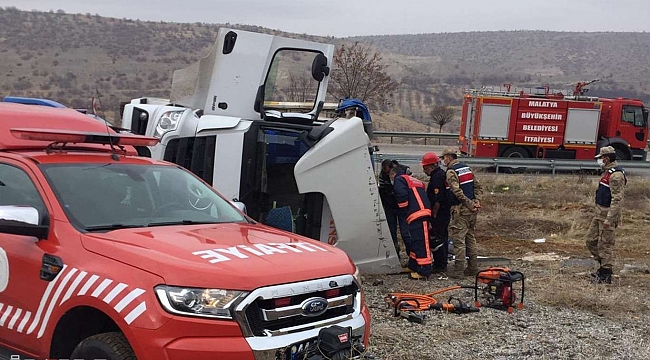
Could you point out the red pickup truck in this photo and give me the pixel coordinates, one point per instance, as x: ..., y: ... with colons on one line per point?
x: 104, y: 254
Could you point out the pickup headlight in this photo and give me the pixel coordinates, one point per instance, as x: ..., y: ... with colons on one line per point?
x: 168, y: 122
x: 210, y: 303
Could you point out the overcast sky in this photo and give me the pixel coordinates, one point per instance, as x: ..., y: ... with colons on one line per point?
x: 373, y: 17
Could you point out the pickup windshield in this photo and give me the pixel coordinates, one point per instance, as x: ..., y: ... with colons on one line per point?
x: 105, y: 197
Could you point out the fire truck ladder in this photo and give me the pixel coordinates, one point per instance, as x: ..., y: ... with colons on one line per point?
x: 538, y: 92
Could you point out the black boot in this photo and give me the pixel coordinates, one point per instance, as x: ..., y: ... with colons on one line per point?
x: 605, y: 276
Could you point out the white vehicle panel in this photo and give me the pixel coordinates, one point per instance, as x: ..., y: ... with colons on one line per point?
x: 332, y: 167
x: 582, y: 126
x: 495, y: 121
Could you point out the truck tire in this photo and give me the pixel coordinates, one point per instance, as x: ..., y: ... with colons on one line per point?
x: 622, y: 154
x: 516, y: 152
x: 109, y: 346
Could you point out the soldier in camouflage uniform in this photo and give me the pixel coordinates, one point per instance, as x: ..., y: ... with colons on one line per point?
x: 607, y: 213
x: 464, y: 192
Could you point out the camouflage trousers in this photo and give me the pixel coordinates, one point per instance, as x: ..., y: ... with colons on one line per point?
x: 461, y: 231
x: 600, y: 241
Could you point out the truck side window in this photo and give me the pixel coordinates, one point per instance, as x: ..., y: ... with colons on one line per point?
x: 633, y: 115
x: 16, y: 188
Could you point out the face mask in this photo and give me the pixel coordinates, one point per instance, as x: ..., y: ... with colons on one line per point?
x: 601, y: 162
x: 442, y: 165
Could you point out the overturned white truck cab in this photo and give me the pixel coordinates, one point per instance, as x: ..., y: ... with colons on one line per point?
x: 291, y: 170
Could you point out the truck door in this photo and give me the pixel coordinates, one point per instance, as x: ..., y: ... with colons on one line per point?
x: 234, y: 77
x: 340, y: 167
x: 633, y: 127
x: 23, y: 293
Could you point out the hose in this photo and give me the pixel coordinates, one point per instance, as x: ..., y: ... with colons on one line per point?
x: 419, y: 302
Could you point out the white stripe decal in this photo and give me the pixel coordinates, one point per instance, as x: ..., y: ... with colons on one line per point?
x: 466, y: 182
x: 24, y: 322
x: 73, y: 287
x: 55, y: 298
x: 1, y: 306
x: 87, y: 285
x: 101, y: 287
x: 128, y: 299
x: 6, y: 315
x: 46, y: 294
x: 135, y: 313
x: 14, y: 319
x: 116, y: 291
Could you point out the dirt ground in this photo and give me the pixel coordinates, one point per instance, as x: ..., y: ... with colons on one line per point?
x: 565, y: 315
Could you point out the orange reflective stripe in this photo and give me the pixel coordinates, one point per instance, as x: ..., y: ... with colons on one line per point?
x: 418, y: 214
x: 403, y: 204
x: 425, y: 225
x: 417, y: 197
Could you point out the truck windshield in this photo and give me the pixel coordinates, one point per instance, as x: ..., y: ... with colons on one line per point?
x: 633, y: 115
x: 103, y: 197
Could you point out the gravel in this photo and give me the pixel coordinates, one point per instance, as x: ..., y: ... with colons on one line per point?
x: 539, y: 331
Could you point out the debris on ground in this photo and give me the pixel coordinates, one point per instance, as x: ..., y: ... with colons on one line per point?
x: 532, y: 257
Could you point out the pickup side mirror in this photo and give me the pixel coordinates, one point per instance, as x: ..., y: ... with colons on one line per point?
x: 319, y: 68
x: 22, y: 220
x: 239, y: 205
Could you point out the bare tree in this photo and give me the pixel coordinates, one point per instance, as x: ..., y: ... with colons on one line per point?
x: 359, y: 72
x: 300, y: 87
x: 442, y: 115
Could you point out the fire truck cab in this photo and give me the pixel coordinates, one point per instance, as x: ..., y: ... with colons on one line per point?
x: 227, y: 121
x: 538, y: 123
x: 108, y: 255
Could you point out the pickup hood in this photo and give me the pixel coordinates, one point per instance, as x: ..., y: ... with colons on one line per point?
x: 227, y: 256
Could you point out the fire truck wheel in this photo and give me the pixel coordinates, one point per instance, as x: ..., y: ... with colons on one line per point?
x: 516, y: 152
x: 621, y: 155
x: 109, y: 346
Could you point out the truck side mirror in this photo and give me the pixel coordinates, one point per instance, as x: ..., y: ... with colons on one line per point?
x: 319, y: 68
x: 22, y: 220
x: 645, y: 115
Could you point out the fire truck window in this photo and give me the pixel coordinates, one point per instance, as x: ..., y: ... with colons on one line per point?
x: 290, y: 80
x: 633, y: 115
x: 16, y: 188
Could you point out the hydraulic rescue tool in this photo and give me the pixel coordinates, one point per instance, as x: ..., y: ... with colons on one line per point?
x: 495, y: 284
x: 498, y: 291
x: 412, y: 306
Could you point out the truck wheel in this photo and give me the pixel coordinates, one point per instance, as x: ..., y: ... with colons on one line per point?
x: 109, y: 346
x: 516, y: 152
x: 621, y: 155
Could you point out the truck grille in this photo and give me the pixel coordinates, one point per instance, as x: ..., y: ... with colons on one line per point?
x: 139, y: 126
x: 284, y: 315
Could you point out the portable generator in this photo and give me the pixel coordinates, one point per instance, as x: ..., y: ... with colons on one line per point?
x: 497, y: 289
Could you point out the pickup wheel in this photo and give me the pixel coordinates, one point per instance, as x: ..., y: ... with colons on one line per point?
x: 109, y: 346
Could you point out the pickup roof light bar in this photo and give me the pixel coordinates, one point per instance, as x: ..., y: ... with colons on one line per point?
x: 66, y: 136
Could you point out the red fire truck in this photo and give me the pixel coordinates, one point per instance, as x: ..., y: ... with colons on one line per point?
x: 543, y: 123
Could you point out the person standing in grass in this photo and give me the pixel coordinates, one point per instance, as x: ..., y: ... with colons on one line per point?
x: 607, y: 214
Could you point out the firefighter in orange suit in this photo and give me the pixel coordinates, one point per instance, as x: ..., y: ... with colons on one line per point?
x: 412, y: 199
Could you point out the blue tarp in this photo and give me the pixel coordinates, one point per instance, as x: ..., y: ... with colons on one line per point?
x: 348, y: 103
x: 32, y: 101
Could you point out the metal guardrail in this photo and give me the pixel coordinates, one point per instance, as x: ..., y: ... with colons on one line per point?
x: 533, y: 164
x: 417, y: 135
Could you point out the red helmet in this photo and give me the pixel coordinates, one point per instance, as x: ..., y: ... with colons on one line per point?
x: 429, y: 158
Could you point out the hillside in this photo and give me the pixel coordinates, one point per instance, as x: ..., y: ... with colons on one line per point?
x: 66, y: 57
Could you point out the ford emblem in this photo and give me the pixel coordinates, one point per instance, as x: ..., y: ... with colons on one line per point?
x: 314, y: 306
